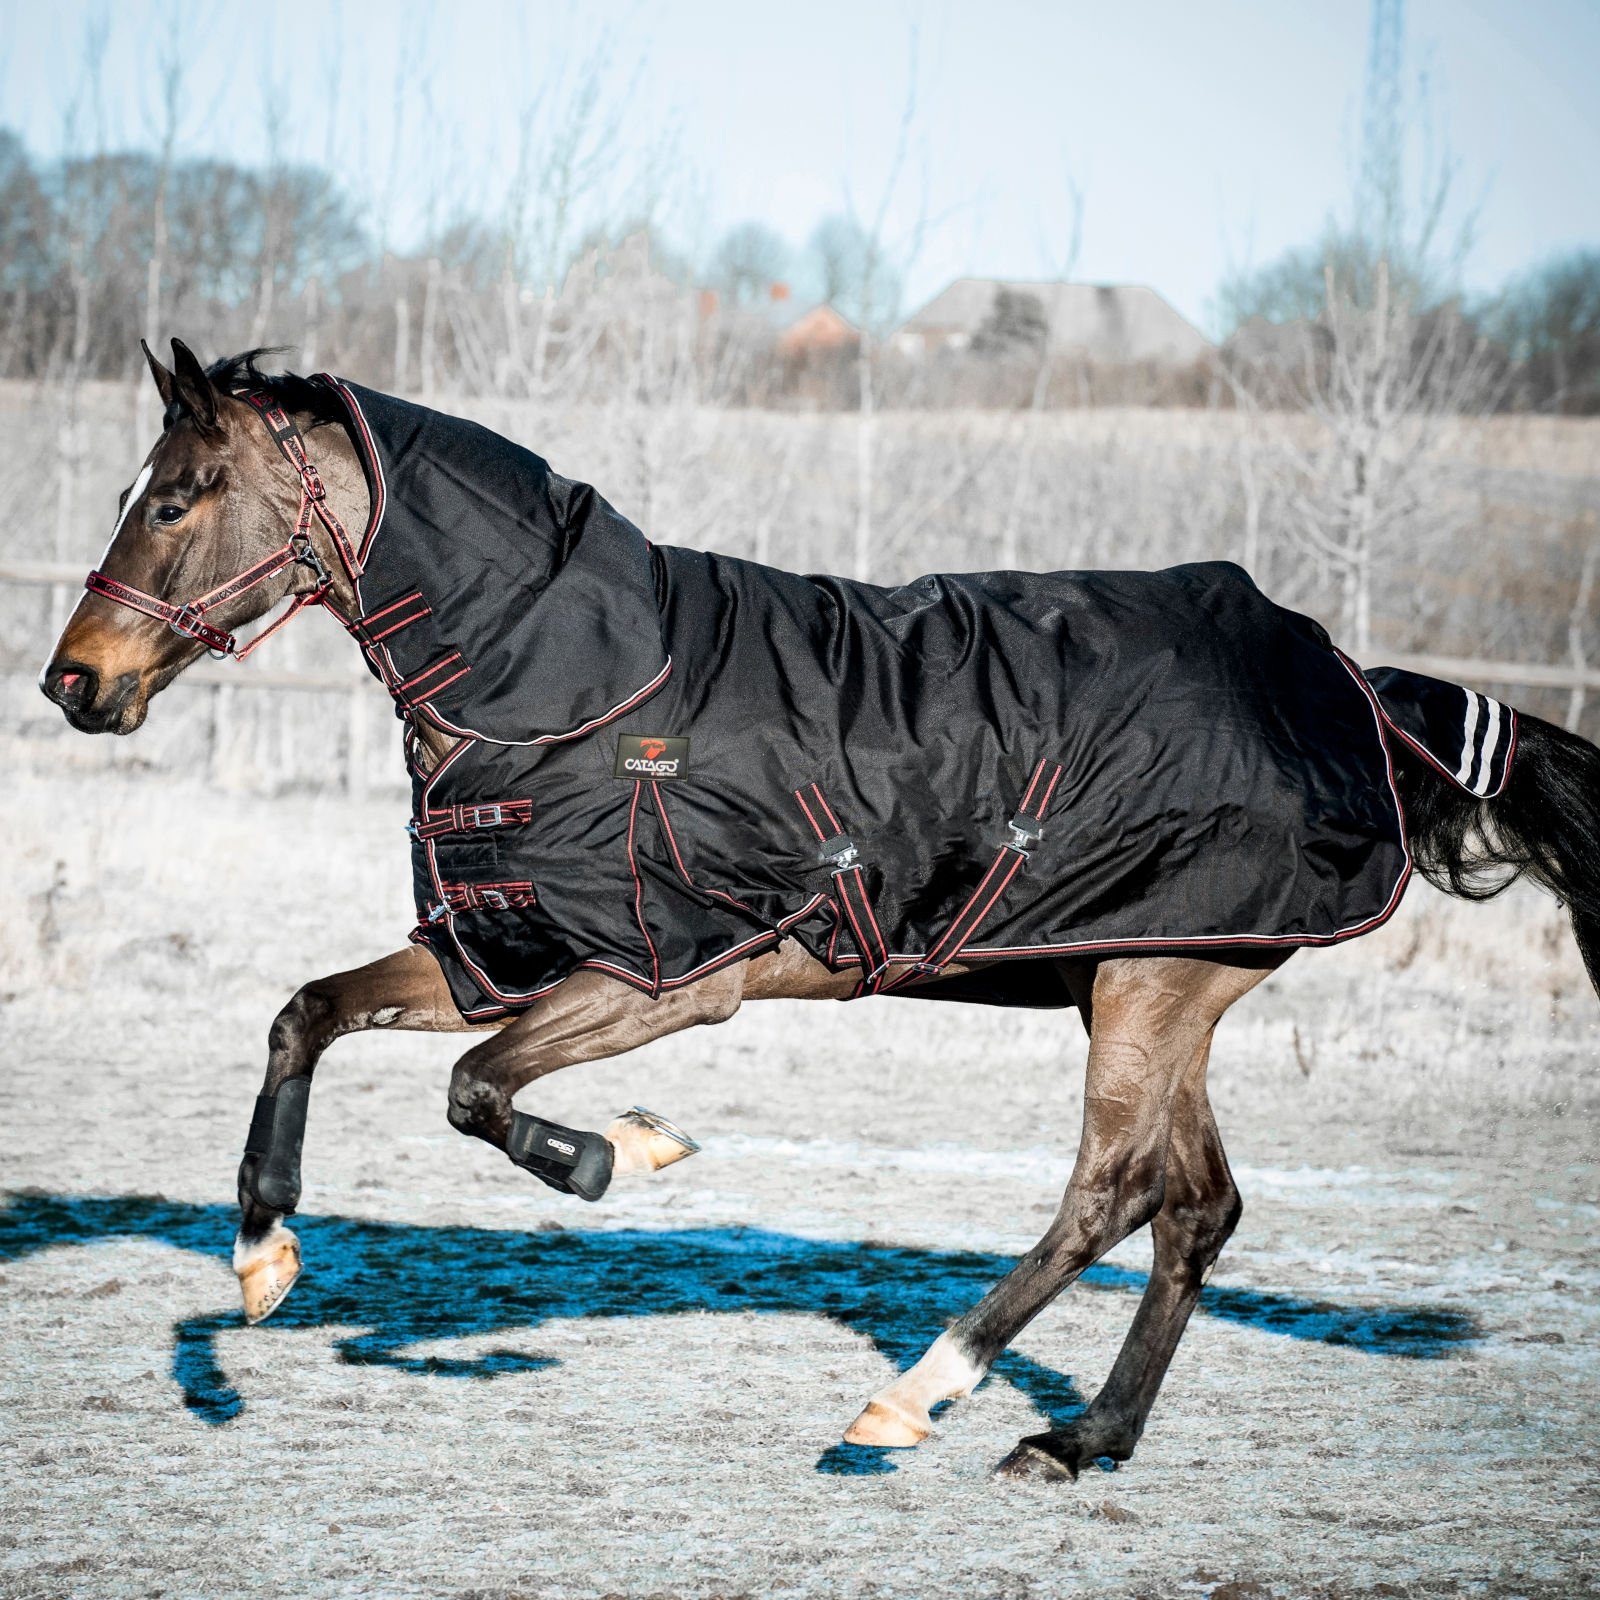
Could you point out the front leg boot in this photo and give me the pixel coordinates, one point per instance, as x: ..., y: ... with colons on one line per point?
x: 568, y: 1160
x: 270, y: 1171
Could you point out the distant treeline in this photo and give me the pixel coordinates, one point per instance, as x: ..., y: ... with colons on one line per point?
x: 97, y: 251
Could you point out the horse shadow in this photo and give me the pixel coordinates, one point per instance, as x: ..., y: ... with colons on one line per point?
x: 463, y: 1281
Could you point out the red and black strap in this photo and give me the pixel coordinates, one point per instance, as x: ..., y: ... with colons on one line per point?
x: 376, y: 626
x: 313, y: 496
x: 189, y: 618
x: 489, y: 896
x: 513, y: 895
x: 838, y: 850
x: 468, y: 818
x: 421, y: 686
x: 1025, y: 830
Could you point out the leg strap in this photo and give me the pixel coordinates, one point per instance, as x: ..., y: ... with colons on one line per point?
x: 277, y: 1131
x: 568, y: 1160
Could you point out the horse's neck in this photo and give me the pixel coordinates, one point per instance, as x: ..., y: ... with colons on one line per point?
x: 431, y: 745
x: 351, y: 502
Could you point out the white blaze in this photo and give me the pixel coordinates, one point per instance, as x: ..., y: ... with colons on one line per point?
x: 140, y: 484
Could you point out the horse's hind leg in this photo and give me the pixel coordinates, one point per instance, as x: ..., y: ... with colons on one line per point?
x: 1152, y: 1019
x: 403, y: 990
x: 1199, y: 1211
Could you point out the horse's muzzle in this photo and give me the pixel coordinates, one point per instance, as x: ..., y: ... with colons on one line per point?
x: 90, y: 706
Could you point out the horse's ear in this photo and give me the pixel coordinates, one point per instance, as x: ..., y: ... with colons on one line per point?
x: 164, y: 379
x: 192, y: 388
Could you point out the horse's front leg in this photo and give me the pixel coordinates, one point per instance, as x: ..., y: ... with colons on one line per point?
x: 588, y: 1017
x: 403, y: 990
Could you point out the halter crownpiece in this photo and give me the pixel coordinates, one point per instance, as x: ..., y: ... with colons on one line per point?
x: 189, y: 618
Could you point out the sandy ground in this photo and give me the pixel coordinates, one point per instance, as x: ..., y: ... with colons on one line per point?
x: 482, y: 1388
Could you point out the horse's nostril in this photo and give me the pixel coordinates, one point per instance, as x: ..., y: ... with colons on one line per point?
x: 72, y: 686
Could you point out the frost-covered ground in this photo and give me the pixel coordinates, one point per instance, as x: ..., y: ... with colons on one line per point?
x: 484, y: 1388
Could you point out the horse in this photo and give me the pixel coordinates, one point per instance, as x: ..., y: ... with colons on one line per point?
x: 255, y: 495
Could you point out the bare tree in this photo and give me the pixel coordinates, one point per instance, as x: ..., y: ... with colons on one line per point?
x: 750, y: 259
x: 1387, y: 362
x: 875, y: 264
x: 1392, y: 380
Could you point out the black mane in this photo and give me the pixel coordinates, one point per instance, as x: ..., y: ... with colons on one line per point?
x: 241, y: 374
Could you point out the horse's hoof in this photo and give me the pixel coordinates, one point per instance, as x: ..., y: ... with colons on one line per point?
x: 644, y: 1142
x: 892, y: 1430
x: 267, y: 1269
x: 1042, y: 1465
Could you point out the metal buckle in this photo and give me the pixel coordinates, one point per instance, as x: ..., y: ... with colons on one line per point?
x: 305, y: 554
x: 494, y: 900
x: 489, y: 815
x: 438, y: 911
x: 190, y: 621
x: 839, y: 852
x: 1025, y: 835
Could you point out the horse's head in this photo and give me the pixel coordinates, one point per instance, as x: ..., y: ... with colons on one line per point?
x: 213, y: 498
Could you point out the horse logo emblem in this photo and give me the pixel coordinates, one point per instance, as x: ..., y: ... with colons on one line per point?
x: 648, y: 757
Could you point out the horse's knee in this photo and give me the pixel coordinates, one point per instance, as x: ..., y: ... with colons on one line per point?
x: 1138, y: 1190
x: 472, y: 1104
x: 1195, y: 1226
x: 299, y: 1025
x: 1106, y: 1209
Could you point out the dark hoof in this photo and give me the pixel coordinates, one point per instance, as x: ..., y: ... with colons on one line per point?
x: 1044, y: 1457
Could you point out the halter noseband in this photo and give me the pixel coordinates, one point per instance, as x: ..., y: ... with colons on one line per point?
x: 189, y: 618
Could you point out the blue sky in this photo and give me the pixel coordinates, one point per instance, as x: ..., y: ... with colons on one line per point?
x: 1200, y: 136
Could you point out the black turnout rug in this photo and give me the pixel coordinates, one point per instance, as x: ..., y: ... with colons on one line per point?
x: 671, y: 759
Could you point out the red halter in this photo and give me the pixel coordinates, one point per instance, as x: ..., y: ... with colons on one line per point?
x: 189, y: 618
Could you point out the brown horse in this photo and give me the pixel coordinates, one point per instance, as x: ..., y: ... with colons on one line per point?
x: 220, y: 526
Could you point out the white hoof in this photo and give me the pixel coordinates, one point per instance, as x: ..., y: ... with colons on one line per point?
x: 900, y: 1416
x: 894, y: 1430
x: 266, y: 1270
x: 644, y: 1142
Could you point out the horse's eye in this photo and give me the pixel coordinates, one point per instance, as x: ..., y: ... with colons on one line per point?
x: 167, y: 515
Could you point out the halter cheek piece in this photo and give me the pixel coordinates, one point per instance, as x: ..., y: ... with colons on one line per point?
x: 189, y: 618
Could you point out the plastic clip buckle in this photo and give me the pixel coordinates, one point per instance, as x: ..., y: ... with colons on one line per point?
x: 1026, y: 832
x: 839, y: 852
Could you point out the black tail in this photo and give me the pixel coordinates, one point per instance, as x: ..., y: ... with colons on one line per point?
x: 1545, y: 823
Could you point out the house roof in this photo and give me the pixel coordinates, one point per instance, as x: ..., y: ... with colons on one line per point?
x: 1107, y: 322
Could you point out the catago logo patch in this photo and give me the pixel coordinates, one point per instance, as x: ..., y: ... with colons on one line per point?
x: 641, y: 755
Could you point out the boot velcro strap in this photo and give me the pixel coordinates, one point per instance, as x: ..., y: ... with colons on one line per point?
x: 258, y: 1142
